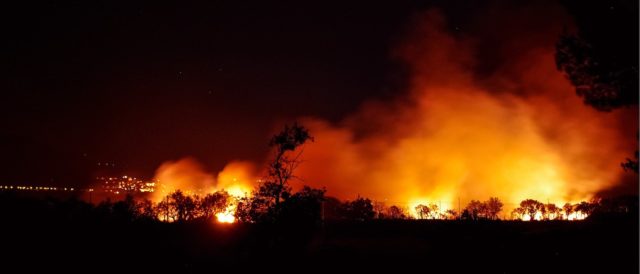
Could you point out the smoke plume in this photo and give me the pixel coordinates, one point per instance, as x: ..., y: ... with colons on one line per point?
x: 487, y: 115
x: 470, y: 128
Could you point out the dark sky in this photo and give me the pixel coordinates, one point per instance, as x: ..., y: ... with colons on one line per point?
x: 138, y: 83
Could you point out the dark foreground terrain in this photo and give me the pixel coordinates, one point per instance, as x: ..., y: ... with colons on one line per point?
x: 72, y: 240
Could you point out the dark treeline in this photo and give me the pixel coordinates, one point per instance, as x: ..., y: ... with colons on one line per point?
x: 308, y: 207
x: 68, y: 234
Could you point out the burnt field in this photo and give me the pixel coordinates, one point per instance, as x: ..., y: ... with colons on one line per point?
x: 74, y: 238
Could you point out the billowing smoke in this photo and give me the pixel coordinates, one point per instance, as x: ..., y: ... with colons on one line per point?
x: 185, y: 174
x: 238, y: 178
x: 192, y: 178
x: 516, y: 131
x: 486, y: 116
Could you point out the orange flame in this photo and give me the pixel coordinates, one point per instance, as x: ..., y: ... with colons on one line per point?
x: 521, y: 133
x: 237, y: 179
x: 517, y: 133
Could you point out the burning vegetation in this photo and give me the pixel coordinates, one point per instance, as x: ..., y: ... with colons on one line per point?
x: 273, y: 200
x: 517, y: 134
x: 484, y: 157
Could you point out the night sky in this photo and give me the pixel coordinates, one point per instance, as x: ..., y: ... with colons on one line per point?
x: 138, y: 83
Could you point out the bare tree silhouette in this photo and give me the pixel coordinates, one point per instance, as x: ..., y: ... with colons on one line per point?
x: 280, y: 170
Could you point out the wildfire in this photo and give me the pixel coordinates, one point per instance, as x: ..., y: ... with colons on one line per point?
x: 457, y: 135
x: 237, y: 191
x: 437, y: 210
x: 187, y: 175
x: 576, y: 216
x: 518, y: 133
x: 226, y: 217
x: 539, y: 216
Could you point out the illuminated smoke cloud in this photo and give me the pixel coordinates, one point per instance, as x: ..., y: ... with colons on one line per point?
x: 238, y: 178
x: 519, y: 132
x: 516, y: 132
x: 190, y: 176
x: 185, y: 174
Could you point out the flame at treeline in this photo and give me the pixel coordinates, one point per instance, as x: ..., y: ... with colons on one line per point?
x: 188, y: 176
x: 516, y: 133
x: 237, y: 178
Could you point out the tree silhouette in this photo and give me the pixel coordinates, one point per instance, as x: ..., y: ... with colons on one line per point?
x: 518, y: 213
x: 265, y: 204
x: 257, y: 208
x: 493, y: 207
x: 489, y: 209
x: 531, y: 207
x: 568, y: 209
x: 465, y: 215
x: 303, y: 207
x: 431, y: 211
x: 184, y: 205
x: 125, y: 210
x: 586, y: 207
x: 243, y: 210
x: 475, y: 209
x: 435, y: 212
x: 451, y: 214
x: 146, y: 210
x: 214, y: 203
x: 617, y: 206
x: 177, y: 207
x: 552, y: 212
x: 165, y: 211
x: 601, y: 59
x: 422, y: 211
x: 380, y: 210
x: 360, y: 209
x: 332, y: 209
x: 396, y: 212
x: 280, y: 170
